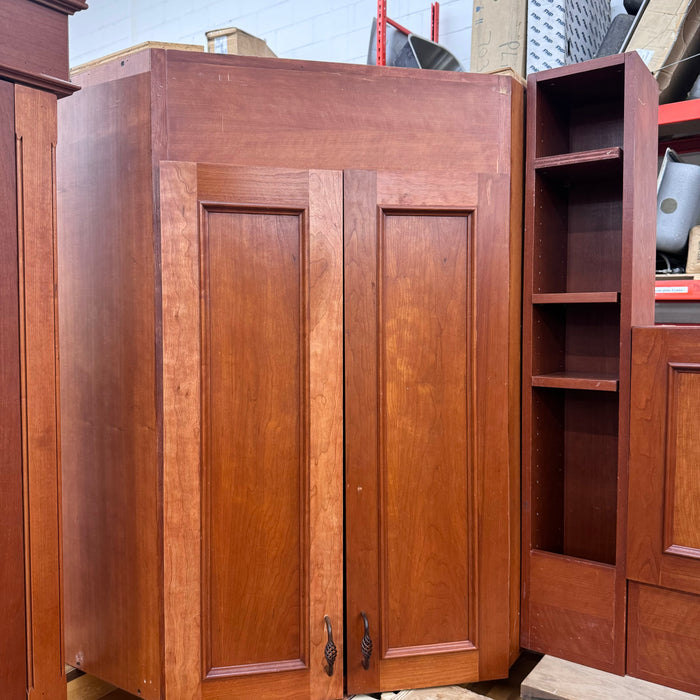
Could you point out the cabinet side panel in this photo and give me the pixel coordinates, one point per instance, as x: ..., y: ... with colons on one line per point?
x: 13, y: 639
x: 106, y: 302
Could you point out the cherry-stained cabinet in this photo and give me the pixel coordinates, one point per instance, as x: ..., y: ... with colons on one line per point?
x: 588, y: 276
x: 290, y: 335
x: 663, y: 552
x: 32, y: 76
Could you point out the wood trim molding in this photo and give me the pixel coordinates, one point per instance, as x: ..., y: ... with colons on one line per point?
x: 60, y: 88
x: 68, y: 7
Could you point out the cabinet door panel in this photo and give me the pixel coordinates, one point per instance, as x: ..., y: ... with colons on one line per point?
x: 257, y: 300
x: 424, y: 477
x: 663, y: 551
x: 664, y: 516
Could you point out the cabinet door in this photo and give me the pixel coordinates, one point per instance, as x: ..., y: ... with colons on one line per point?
x: 430, y: 473
x: 252, y: 396
x: 663, y: 555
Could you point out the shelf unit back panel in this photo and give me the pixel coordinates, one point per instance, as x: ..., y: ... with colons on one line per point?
x: 576, y: 339
x: 569, y: 121
x: 578, y: 236
x: 574, y: 473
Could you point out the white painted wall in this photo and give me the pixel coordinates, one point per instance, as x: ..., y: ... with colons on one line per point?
x: 334, y: 30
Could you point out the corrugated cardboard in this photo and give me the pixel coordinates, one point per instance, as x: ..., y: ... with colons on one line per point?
x: 668, y: 32
x: 235, y: 41
x: 499, y: 35
x: 693, y: 263
x: 560, y: 32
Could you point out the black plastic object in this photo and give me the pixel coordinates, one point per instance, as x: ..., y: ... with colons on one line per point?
x: 615, y: 36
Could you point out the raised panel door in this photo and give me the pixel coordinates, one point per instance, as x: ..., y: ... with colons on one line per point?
x: 663, y: 559
x: 252, y: 394
x: 427, y: 458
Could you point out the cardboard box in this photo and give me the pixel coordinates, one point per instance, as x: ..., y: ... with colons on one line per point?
x: 667, y: 33
x: 692, y: 265
x: 560, y: 32
x: 236, y: 41
x: 499, y: 36
x: 125, y: 53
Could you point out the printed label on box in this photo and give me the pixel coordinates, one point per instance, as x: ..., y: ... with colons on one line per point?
x: 561, y: 32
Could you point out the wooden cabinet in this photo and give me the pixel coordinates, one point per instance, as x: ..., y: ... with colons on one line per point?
x: 663, y: 555
x: 588, y: 277
x: 253, y: 289
x: 31, y: 78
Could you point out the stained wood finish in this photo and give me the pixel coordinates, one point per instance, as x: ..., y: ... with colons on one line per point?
x: 42, y: 63
x: 35, y: 128
x: 108, y: 422
x: 190, y: 101
x: 663, y: 637
x: 664, y: 539
x: 588, y: 274
x: 558, y: 620
x: 265, y: 256
x: 415, y: 335
x: 13, y: 644
x: 31, y: 645
x: 260, y: 111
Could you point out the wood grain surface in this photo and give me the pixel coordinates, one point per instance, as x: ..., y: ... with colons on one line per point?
x: 663, y: 637
x: 13, y: 644
x: 265, y: 258
x: 399, y: 394
x: 587, y: 278
x: 245, y: 111
x: 664, y: 531
x: 111, y: 476
x: 35, y: 127
x: 45, y: 65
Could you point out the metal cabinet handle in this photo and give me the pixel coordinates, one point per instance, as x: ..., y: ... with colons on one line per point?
x: 366, y: 643
x: 331, y: 651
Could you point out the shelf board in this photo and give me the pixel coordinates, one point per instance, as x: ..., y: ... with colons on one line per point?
x: 576, y: 380
x: 571, y: 167
x: 577, y: 298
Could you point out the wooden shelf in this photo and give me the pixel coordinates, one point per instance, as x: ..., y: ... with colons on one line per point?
x: 577, y: 298
x: 573, y: 167
x: 576, y: 380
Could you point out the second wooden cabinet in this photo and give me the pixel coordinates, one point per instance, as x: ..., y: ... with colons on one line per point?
x: 282, y: 382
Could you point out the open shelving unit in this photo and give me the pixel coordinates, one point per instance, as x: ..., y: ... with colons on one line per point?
x: 589, y: 244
